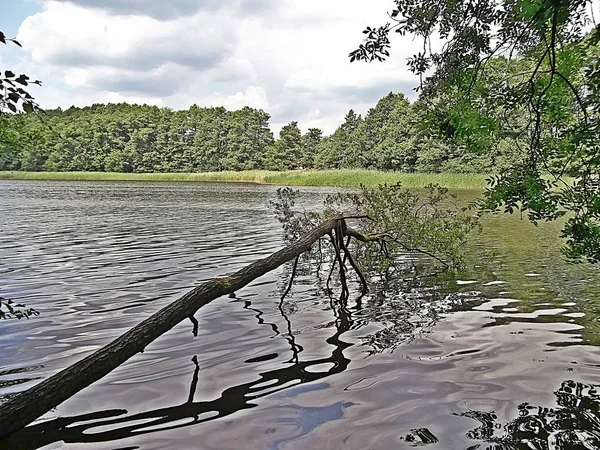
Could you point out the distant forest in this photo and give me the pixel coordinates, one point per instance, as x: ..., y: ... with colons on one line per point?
x: 394, y: 135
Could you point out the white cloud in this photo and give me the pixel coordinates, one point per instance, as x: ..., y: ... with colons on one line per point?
x: 71, y: 36
x: 171, y: 9
x: 253, y: 96
x: 287, y: 57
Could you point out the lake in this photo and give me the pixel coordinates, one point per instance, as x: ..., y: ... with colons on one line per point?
x: 505, y: 354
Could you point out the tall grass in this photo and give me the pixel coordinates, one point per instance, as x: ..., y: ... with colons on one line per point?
x: 251, y: 176
x: 353, y: 178
x: 336, y: 178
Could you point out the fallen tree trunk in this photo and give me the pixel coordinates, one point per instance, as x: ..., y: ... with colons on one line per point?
x: 27, y: 406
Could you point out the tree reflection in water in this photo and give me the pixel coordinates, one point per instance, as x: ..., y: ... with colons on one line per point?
x: 116, y: 424
x: 408, y: 307
x: 405, y: 315
x: 574, y: 424
x: 405, y: 309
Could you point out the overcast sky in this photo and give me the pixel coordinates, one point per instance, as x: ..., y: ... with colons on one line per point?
x: 288, y: 57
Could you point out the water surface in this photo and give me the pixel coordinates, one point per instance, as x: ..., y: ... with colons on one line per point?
x: 503, y: 354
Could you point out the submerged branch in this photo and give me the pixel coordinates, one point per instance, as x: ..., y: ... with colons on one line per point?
x: 27, y: 406
x: 289, y: 286
x: 381, y: 238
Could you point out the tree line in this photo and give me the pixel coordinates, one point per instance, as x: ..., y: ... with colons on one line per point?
x: 393, y: 135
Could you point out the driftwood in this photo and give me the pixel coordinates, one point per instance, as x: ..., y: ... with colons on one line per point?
x: 21, y: 410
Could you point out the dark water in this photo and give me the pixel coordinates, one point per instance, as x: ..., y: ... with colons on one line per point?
x: 501, y: 356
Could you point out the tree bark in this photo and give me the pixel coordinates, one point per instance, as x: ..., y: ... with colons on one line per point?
x: 27, y: 406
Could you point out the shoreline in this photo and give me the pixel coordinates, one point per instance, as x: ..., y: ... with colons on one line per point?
x: 331, y: 178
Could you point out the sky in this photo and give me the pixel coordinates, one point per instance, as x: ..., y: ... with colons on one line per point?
x: 287, y: 57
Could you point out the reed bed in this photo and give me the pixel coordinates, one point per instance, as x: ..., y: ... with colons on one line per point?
x: 335, y: 178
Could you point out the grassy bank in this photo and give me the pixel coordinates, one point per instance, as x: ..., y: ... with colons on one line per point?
x: 338, y: 178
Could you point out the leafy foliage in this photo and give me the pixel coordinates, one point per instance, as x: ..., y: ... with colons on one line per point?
x: 287, y: 152
x: 571, y: 424
x: 133, y: 138
x: 399, y: 221
x: 13, y: 96
x: 514, y: 71
x: 394, y: 135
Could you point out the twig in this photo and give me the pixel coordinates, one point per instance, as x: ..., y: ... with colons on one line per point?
x: 336, y: 246
x: 332, y: 268
x: 364, y: 216
x: 289, y: 286
x: 381, y: 237
x: 363, y: 281
x: 345, y: 248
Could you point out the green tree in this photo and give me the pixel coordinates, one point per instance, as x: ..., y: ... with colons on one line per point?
x: 388, y: 129
x: 286, y: 153
x: 248, y: 138
x: 135, y: 138
x: 210, y: 139
x: 558, y: 90
x: 337, y: 150
x: 14, y: 135
x: 10, y: 145
x: 311, y: 142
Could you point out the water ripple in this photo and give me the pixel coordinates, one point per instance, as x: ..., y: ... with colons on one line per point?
x: 427, y: 363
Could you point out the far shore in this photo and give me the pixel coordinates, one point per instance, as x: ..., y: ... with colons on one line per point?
x: 334, y: 178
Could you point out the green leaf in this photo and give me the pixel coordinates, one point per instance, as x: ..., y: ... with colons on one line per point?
x: 22, y: 79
